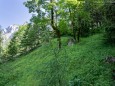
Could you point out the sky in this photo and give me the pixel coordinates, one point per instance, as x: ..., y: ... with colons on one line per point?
x: 13, y: 12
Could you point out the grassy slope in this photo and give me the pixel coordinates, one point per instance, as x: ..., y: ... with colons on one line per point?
x: 83, y: 61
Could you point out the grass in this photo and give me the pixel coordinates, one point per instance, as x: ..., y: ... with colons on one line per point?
x: 82, y: 60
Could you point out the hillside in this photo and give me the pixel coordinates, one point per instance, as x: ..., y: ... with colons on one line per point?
x: 83, y: 60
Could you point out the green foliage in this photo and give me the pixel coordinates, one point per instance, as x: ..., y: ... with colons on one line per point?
x: 30, y: 38
x: 78, y: 18
x: 25, y: 40
x: 12, y: 48
x: 110, y: 34
x: 81, y: 16
x: 109, y: 22
x: 0, y: 43
x: 63, y: 27
x: 84, y: 20
x: 1, y: 39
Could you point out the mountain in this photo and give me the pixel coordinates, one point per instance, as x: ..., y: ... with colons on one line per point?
x: 9, y: 32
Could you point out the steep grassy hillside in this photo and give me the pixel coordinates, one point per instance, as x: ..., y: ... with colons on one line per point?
x: 82, y: 60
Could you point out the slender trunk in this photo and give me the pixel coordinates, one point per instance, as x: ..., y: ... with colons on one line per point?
x: 52, y: 16
x: 78, y: 35
x: 74, y: 31
x: 59, y: 38
x: 73, y: 25
x: 92, y: 25
x: 74, y: 36
x: 55, y: 27
x: 79, y: 28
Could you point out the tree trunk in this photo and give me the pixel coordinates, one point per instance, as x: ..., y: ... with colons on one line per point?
x: 73, y: 25
x: 79, y: 29
x: 78, y: 35
x: 74, y: 31
x: 55, y: 27
x: 59, y: 38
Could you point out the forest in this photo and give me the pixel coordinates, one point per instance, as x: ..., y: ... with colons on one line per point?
x: 66, y: 43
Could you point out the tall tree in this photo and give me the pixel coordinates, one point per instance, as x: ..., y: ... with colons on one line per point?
x: 53, y: 23
x: 46, y: 12
x: 30, y: 38
x: 109, y: 21
x: 78, y: 17
x: 0, y: 41
x: 12, y: 47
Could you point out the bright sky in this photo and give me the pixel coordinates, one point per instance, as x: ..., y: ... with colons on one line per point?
x: 13, y: 12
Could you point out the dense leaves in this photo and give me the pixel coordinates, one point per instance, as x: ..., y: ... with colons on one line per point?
x: 0, y: 41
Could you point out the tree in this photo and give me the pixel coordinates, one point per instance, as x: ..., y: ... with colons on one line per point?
x: 79, y: 18
x: 0, y: 41
x: 30, y: 38
x: 25, y: 40
x: 12, y: 48
x: 54, y: 25
x: 109, y: 21
x: 47, y: 16
x: 61, y: 15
